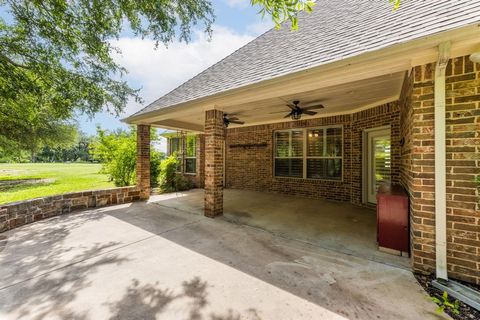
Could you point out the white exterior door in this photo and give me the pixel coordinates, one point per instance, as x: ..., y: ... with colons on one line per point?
x: 379, y: 161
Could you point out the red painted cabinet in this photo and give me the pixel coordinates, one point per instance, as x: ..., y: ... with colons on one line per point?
x: 392, y: 219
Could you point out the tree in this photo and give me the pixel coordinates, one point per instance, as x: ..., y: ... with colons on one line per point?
x: 28, y: 126
x: 78, y: 151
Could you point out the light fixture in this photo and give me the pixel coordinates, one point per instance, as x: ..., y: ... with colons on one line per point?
x: 296, y: 115
x: 475, y: 57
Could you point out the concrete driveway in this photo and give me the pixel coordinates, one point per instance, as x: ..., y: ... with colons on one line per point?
x: 145, y: 261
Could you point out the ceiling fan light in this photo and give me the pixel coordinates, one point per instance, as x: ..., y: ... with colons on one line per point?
x: 475, y: 57
x: 296, y: 116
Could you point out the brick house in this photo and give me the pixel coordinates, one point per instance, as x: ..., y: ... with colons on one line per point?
x: 400, y: 92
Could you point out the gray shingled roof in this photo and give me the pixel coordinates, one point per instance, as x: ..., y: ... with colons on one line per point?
x: 337, y: 29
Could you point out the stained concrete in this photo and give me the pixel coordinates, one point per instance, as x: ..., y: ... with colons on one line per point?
x: 150, y: 261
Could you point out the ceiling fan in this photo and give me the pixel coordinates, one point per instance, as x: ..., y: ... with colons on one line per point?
x: 297, y: 111
x: 227, y: 119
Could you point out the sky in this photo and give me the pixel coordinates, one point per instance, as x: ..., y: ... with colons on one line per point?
x: 157, y: 71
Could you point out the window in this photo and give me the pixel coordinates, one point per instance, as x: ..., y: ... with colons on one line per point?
x: 175, y: 147
x: 289, y: 154
x: 313, y: 153
x: 190, y: 154
x: 185, y: 149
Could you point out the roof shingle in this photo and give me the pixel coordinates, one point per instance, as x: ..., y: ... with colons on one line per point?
x: 337, y: 29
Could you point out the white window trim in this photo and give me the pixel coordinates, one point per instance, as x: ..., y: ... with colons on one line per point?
x: 304, y: 152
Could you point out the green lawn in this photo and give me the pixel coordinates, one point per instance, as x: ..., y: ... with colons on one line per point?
x: 66, y: 178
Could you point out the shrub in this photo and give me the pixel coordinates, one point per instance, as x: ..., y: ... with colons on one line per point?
x: 169, y: 179
x: 156, y: 158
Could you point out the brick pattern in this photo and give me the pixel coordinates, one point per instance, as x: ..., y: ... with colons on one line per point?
x: 251, y: 167
x: 214, y: 144
x: 463, y: 162
x: 16, y: 214
x: 143, y: 160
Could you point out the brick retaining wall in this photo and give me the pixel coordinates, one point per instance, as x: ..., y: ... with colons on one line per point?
x: 15, y: 214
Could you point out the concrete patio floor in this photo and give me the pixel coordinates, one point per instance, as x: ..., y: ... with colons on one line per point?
x: 333, y: 225
x: 150, y: 261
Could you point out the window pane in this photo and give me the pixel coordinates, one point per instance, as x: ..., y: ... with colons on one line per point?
x: 334, y: 142
x: 289, y: 168
x: 333, y: 169
x: 282, y: 144
x: 174, y: 145
x: 382, y: 161
x: 315, y: 143
x: 190, y: 146
x: 324, y: 169
x: 297, y: 143
x: 190, y: 165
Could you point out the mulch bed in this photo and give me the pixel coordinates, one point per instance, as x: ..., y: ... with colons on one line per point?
x: 466, y: 312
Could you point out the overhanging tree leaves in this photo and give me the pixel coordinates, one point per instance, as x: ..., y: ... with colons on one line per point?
x: 65, y: 46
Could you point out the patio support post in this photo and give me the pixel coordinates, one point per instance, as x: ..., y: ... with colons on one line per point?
x: 214, y: 143
x: 143, y: 160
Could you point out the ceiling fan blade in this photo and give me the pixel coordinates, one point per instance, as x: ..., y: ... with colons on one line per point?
x: 236, y: 121
x: 310, y: 113
x: 291, y: 106
x: 317, y: 106
x: 288, y: 115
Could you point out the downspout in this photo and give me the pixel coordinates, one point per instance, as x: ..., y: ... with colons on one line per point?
x: 440, y: 163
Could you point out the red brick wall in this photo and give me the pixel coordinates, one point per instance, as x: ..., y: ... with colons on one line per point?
x: 143, y: 160
x: 214, y: 143
x: 463, y: 160
x: 251, y: 166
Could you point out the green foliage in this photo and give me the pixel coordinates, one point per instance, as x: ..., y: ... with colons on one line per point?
x: 168, y: 168
x: 156, y: 158
x: 287, y: 10
x: 444, y: 303
x: 396, y: 4
x: 28, y: 126
x: 117, y: 153
x: 282, y: 10
x: 60, y: 52
x: 79, y: 151
x: 169, y: 179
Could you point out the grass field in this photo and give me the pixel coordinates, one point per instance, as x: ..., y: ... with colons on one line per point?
x: 61, y: 178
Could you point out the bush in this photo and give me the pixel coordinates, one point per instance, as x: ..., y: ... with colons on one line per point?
x: 156, y: 158
x: 171, y: 181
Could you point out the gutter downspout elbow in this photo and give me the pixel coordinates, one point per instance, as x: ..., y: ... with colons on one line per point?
x: 440, y: 162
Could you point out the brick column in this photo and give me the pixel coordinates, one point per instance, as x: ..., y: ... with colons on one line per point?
x: 214, y: 139
x: 143, y: 160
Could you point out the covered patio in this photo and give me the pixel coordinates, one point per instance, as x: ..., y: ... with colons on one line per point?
x: 332, y: 225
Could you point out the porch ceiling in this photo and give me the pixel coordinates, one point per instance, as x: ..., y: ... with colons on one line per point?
x: 337, y: 99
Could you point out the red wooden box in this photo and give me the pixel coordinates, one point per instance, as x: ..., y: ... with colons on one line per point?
x: 392, y: 219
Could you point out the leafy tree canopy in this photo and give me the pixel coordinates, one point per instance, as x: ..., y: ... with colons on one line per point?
x: 60, y: 50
